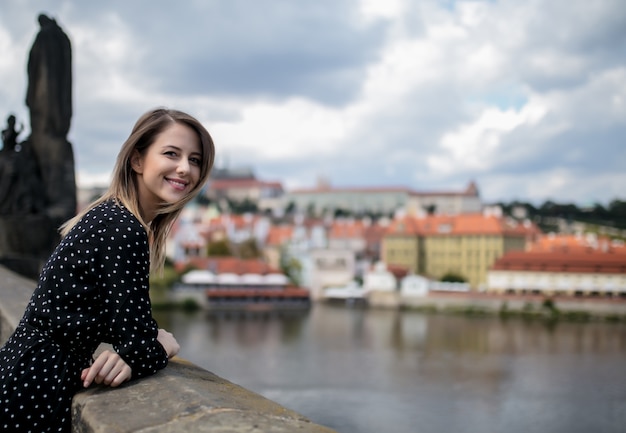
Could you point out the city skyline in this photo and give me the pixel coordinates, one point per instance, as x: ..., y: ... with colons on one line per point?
x: 525, y: 98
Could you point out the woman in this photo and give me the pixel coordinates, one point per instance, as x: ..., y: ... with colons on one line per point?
x: 94, y: 287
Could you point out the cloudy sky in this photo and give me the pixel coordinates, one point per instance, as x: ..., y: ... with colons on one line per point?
x: 526, y: 97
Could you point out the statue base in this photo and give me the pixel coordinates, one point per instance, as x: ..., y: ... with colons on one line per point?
x: 26, y: 241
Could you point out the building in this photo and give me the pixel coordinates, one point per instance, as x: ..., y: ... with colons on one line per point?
x: 228, y: 265
x: 590, y: 272
x: 329, y: 268
x: 240, y: 186
x: 577, y: 243
x: 383, y: 200
x: 264, y: 194
x: 446, y: 202
x: 465, y: 245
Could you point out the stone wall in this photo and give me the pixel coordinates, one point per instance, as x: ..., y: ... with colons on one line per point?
x: 180, y: 398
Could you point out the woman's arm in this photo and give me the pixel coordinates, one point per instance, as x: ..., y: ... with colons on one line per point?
x: 110, y: 369
x: 123, y: 268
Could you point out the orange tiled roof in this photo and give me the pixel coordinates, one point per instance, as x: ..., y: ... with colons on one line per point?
x: 404, y: 226
x: 236, y: 220
x: 278, y: 235
x: 374, y: 232
x: 234, y: 265
x: 221, y: 184
x: 398, y: 271
x: 575, y: 262
x: 574, y: 243
x: 462, y: 224
x: 346, y: 229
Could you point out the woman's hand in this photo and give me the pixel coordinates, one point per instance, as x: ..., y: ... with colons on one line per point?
x: 168, y: 342
x: 109, y: 368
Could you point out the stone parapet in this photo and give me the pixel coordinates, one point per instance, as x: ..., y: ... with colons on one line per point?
x: 180, y: 398
x: 183, y: 398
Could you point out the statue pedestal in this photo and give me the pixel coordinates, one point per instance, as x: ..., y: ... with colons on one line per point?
x: 26, y: 241
x: 55, y: 160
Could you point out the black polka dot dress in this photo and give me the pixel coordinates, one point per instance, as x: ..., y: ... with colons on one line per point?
x: 93, y: 289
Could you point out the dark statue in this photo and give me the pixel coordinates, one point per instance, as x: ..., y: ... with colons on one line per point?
x: 10, y: 134
x: 37, y: 183
x: 49, y: 95
x: 20, y: 184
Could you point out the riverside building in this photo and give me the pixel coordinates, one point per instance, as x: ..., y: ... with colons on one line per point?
x: 465, y: 245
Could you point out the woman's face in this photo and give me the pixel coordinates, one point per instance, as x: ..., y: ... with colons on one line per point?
x: 168, y: 170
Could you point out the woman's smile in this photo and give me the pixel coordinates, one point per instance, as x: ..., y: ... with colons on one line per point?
x: 178, y: 184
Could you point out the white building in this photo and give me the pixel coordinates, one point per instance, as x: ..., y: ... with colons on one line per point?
x: 592, y: 272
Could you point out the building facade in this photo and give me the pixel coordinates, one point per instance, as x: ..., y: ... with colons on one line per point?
x: 465, y: 245
x: 592, y: 272
x: 383, y: 200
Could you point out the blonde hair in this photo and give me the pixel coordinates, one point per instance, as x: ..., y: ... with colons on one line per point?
x: 124, y: 187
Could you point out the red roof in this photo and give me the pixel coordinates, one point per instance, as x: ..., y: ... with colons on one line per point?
x: 346, y: 229
x: 235, y: 220
x: 575, y: 262
x: 221, y: 184
x: 461, y: 224
x: 278, y: 235
x: 233, y: 265
x: 398, y: 271
x: 575, y: 243
x: 288, y: 292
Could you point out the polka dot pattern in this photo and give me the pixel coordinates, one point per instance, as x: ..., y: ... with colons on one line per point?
x: 93, y: 289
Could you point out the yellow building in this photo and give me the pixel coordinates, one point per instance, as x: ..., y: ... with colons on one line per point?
x: 466, y: 245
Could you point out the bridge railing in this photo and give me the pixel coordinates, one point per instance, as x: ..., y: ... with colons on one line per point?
x: 180, y: 398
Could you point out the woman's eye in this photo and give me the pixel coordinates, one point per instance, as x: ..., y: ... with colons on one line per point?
x: 195, y: 161
x: 170, y: 153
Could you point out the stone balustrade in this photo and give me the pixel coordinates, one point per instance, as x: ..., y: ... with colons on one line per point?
x: 180, y: 398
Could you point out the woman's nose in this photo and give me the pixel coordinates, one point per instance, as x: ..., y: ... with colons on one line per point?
x: 183, y: 166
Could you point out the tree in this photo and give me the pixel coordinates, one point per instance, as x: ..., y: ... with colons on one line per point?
x: 291, y: 207
x: 249, y: 249
x: 452, y: 277
x: 219, y: 248
x: 290, y: 266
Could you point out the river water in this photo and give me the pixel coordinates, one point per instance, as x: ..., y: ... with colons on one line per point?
x: 363, y: 370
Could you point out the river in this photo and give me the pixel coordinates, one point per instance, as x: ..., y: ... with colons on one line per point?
x: 364, y: 371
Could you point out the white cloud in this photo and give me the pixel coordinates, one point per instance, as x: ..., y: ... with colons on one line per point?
x: 296, y: 128
x: 375, y: 9
x: 472, y: 146
x: 525, y: 97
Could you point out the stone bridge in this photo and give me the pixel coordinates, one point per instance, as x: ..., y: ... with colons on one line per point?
x: 180, y: 398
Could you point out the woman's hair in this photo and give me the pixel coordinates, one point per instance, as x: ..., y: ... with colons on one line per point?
x: 124, y: 187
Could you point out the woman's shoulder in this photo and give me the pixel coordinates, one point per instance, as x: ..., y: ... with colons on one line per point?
x: 109, y: 214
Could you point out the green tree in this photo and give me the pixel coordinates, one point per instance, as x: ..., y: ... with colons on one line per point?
x: 290, y: 208
x: 249, y: 249
x: 453, y: 277
x: 291, y: 267
x: 219, y: 248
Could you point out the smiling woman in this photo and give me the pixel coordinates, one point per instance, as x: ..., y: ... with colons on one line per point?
x: 94, y: 287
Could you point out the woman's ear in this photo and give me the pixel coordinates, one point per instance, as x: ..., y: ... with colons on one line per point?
x: 136, y: 162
